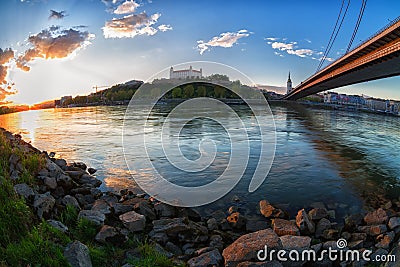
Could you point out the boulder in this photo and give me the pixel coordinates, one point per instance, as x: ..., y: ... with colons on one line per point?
x: 211, y: 258
x: 43, y: 205
x: 77, y: 255
x: 394, y: 222
x: 285, y: 227
x: 91, y: 171
x: 172, y: 227
x: 270, y: 211
x: 385, y: 240
x: 318, y: 213
x: 120, y: 208
x: 94, y: 216
x: 245, y: 248
x: 305, y: 224
x: 58, y: 225
x: 89, y: 180
x: 144, y: 208
x: 25, y: 191
x: 298, y: 243
x: 322, y: 225
x: 236, y: 220
x: 109, y: 234
x: 171, y: 247
x: 101, y: 206
x: 165, y: 210
x: 60, y: 163
x: 373, y: 230
x: 135, y: 222
x: 212, y: 224
x: 70, y: 200
x: 64, y: 181
x: 50, y: 182
x: 376, y: 217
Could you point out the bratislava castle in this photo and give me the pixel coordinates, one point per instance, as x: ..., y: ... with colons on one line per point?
x: 186, y: 73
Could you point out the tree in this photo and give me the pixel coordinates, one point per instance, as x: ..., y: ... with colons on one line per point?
x: 218, y: 77
x: 188, y: 91
x: 219, y: 91
x: 176, y: 92
x: 201, y: 91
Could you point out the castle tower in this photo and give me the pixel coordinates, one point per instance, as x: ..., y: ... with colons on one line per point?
x: 171, y: 73
x: 289, y: 85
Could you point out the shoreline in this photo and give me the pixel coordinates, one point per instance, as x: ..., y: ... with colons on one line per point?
x: 182, y: 235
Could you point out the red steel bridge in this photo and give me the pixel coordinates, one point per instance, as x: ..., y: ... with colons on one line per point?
x: 376, y: 58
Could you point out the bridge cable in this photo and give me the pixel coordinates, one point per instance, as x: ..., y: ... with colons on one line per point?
x: 329, y: 47
x: 360, y: 15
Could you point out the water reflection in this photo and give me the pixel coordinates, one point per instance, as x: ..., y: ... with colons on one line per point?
x: 336, y: 157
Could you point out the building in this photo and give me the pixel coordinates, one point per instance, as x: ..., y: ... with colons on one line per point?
x: 377, y: 104
x: 185, y: 73
x: 65, y: 98
x: 289, y: 85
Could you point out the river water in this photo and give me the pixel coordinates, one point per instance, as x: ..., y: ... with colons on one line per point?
x: 344, y: 159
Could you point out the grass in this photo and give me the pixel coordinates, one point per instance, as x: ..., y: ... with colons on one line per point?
x: 27, y: 241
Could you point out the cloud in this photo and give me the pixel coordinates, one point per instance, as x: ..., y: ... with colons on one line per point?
x: 53, y: 43
x: 126, y: 7
x: 5, y: 88
x: 283, y: 46
x: 57, y: 15
x: 292, y: 48
x: 131, y: 26
x: 226, y: 39
x: 272, y: 39
x: 164, y: 27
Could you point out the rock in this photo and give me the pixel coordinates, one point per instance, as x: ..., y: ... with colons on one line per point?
x: 90, y: 180
x: 245, y: 248
x: 159, y: 249
x: 165, y: 210
x: 394, y: 222
x: 330, y: 234
x: 236, y: 220
x: 50, y: 182
x: 109, y: 234
x: 211, y: 258
x: 92, y: 171
x: 171, y: 247
x: 172, y: 227
x: 373, y: 230
x: 25, y: 191
x: 76, y: 175
x: 216, y: 242
x: 161, y: 237
x: 298, y: 243
x: 284, y: 227
x: 212, y: 224
x: 322, y: 225
x: 270, y: 211
x: 70, y: 200
x: 384, y: 241
x: 64, y: 181
x: 304, y: 222
x: 135, y: 222
x: 233, y: 209
x: 394, y: 253
x: 58, y: 225
x: 101, y: 206
x: 376, y: 217
x: 332, y: 214
x: 317, y: 214
x: 43, y: 205
x: 352, y: 221
x: 254, y: 225
x: 191, y: 214
x: 143, y: 207
x: 358, y: 244
x: 60, y: 163
x: 94, y: 216
x: 358, y: 236
x: 120, y: 208
x: 77, y: 255
x: 80, y: 165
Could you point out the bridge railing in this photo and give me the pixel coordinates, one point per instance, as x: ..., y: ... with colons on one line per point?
x: 393, y: 22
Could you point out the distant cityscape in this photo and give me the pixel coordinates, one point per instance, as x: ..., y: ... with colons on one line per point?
x: 120, y: 94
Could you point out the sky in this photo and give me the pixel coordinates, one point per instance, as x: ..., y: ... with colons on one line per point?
x: 52, y: 48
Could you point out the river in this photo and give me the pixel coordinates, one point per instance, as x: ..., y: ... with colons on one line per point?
x: 343, y: 159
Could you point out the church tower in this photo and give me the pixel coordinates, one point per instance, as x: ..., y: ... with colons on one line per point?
x: 289, y: 85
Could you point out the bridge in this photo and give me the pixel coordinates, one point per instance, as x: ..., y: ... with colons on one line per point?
x: 376, y: 58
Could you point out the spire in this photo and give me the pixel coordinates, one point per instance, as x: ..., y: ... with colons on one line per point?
x: 289, y: 80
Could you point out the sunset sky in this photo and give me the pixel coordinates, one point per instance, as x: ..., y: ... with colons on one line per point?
x: 55, y: 48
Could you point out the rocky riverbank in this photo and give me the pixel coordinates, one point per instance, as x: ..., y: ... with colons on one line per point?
x: 227, y: 238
